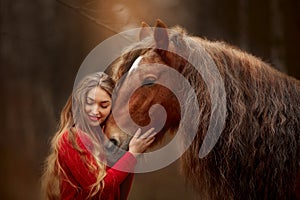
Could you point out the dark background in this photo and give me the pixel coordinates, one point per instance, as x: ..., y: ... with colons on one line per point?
x: 43, y: 43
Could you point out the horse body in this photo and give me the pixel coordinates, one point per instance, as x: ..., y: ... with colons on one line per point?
x: 257, y: 155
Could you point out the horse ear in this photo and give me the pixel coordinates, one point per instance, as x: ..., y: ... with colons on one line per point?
x: 145, y: 31
x: 161, y: 35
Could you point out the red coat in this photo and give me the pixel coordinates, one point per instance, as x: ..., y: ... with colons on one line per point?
x: 78, y: 175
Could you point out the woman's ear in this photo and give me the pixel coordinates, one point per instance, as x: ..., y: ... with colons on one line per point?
x: 146, y: 31
x: 161, y: 35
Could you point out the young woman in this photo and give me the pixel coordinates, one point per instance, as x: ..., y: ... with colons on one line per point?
x: 76, y: 167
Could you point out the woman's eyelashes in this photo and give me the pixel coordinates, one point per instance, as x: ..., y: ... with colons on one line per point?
x: 90, y: 102
x: 106, y: 105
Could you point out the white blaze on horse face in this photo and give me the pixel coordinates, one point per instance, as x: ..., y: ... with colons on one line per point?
x: 135, y: 64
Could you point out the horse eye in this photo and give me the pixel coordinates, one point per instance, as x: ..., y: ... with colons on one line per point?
x: 149, y: 80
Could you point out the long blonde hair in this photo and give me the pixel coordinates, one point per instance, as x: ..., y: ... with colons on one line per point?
x: 72, y: 118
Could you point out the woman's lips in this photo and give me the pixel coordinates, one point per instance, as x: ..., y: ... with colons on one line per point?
x: 94, y: 118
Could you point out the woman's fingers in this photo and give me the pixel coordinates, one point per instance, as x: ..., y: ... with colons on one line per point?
x: 140, y: 142
x: 137, y: 134
x: 148, y: 133
x: 150, y: 140
x: 150, y: 137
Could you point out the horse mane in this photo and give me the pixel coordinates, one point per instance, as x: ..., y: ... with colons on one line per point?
x: 258, y: 153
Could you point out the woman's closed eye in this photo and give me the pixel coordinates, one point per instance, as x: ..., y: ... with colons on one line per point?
x: 89, y: 102
x: 105, y: 105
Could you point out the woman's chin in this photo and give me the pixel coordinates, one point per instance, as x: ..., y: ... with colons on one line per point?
x: 94, y: 123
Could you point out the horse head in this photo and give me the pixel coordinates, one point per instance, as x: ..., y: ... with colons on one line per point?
x: 150, y: 104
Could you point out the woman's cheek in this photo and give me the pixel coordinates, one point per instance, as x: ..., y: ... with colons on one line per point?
x: 107, y: 112
x: 87, y: 109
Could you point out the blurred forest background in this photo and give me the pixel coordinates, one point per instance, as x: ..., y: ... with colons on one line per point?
x: 44, y: 42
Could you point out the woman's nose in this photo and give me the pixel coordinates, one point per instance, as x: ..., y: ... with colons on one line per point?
x: 97, y: 110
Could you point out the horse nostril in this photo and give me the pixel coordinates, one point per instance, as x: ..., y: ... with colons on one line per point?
x: 114, y: 141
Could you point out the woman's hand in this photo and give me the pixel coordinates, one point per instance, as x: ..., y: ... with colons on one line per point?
x: 140, y: 142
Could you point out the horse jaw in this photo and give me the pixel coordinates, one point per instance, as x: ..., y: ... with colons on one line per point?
x: 113, y: 132
x: 167, y: 137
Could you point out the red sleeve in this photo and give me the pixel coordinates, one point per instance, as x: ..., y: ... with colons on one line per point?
x: 77, y: 168
x: 114, y: 179
x: 126, y: 162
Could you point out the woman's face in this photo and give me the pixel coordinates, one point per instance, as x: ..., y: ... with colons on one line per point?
x: 97, y: 106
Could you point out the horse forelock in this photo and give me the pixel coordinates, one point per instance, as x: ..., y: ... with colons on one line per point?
x: 133, y: 51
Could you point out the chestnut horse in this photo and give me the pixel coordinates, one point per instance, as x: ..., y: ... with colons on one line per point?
x: 257, y: 154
